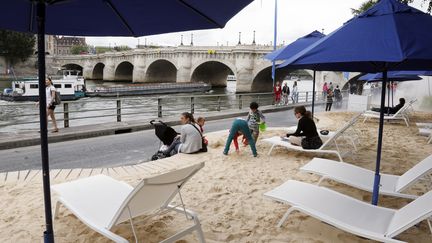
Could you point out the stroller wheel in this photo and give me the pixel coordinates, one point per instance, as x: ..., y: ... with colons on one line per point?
x: 155, y: 157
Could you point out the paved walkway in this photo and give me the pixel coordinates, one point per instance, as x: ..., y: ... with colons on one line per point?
x: 15, y: 140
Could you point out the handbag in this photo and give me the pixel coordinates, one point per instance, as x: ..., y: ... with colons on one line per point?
x: 204, y: 144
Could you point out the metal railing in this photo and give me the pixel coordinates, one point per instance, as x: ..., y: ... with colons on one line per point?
x: 98, y: 110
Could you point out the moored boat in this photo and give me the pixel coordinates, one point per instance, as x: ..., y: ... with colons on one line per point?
x: 70, y: 85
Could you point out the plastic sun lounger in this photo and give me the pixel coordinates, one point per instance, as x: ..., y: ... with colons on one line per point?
x: 278, y: 141
x: 399, y: 115
x: 102, y: 202
x: 391, y: 185
x: 349, y: 214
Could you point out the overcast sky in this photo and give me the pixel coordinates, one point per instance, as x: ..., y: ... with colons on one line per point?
x: 295, y: 19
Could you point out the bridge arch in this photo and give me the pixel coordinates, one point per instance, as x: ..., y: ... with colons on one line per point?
x: 212, y: 72
x: 161, y: 71
x: 73, y: 66
x: 98, y: 71
x: 124, y: 71
x: 263, y: 82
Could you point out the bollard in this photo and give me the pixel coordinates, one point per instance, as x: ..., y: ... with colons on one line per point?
x: 219, y: 104
x: 307, y: 94
x: 118, y: 110
x: 65, y: 115
x: 240, y: 102
x: 159, y: 107
x: 192, y: 105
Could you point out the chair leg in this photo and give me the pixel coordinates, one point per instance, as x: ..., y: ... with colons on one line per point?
x: 321, y: 180
x: 57, y: 208
x: 269, y: 152
x: 284, y: 218
x: 406, y: 122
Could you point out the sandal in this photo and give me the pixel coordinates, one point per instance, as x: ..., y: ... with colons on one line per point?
x: 54, y: 131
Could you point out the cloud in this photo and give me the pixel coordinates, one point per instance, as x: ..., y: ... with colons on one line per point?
x: 295, y: 19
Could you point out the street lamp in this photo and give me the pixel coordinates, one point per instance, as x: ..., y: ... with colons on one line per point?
x: 253, y: 42
x: 239, y: 43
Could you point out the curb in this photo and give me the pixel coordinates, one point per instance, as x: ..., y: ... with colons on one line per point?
x: 127, y: 127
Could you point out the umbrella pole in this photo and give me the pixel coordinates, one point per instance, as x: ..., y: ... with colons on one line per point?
x: 48, y: 234
x: 377, y: 179
x: 313, y: 94
x: 392, y: 93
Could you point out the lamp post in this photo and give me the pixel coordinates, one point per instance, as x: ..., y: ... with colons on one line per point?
x: 181, y: 41
x: 192, y: 39
x: 239, y: 42
x: 253, y: 42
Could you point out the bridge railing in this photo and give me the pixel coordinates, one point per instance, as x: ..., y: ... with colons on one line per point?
x: 98, y: 111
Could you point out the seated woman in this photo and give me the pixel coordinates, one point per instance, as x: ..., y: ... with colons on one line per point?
x: 306, y: 134
x: 190, y: 139
x: 392, y: 110
x: 240, y: 126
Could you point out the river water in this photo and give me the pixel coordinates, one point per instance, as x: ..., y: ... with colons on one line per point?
x: 143, y: 107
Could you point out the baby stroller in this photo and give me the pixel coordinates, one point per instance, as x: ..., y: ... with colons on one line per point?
x: 166, y: 135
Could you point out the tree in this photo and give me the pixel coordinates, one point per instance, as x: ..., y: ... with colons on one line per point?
x: 15, y: 46
x: 369, y: 3
x: 76, y: 50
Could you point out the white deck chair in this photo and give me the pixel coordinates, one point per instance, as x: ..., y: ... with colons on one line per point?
x: 102, y: 202
x: 332, y: 138
x: 349, y: 214
x: 391, y: 185
x: 399, y: 115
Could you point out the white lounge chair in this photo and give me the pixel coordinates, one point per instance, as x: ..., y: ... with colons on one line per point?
x: 349, y: 214
x: 332, y: 138
x: 102, y: 202
x: 399, y: 115
x: 391, y: 185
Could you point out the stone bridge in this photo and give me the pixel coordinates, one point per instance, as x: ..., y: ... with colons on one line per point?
x: 187, y: 64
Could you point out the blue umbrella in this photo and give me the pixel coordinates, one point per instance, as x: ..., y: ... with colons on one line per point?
x: 294, y: 48
x: 105, y: 18
x: 392, y: 76
x: 389, y: 36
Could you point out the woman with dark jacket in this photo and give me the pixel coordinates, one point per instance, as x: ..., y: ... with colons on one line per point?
x: 306, y: 134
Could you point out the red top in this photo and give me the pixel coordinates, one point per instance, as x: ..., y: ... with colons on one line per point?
x: 278, y: 89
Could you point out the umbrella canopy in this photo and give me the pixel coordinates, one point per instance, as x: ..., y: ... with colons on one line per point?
x: 392, y: 76
x: 104, y: 18
x: 389, y: 36
x: 119, y: 17
x: 295, y: 47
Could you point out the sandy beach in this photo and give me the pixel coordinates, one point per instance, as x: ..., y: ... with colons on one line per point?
x: 228, y: 192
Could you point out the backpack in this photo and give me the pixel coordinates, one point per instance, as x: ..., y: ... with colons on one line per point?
x: 57, y: 98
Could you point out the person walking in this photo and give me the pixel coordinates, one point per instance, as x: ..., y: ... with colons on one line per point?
x: 285, y: 93
x: 338, y: 96
x: 50, y: 92
x: 294, y: 95
x: 277, y: 92
x: 324, y: 90
x: 240, y: 126
x: 329, y: 100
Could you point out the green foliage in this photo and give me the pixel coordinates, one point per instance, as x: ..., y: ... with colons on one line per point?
x: 15, y: 46
x: 103, y: 49
x: 369, y: 3
x: 76, y: 50
x: 122, y: 48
